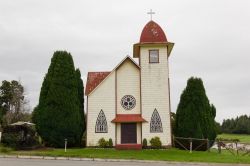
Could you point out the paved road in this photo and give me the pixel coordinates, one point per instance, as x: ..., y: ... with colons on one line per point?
x: 38, y: 162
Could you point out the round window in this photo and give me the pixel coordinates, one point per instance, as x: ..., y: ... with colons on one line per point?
x: 128, y: 102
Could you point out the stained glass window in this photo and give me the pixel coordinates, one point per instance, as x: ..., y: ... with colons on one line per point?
x: 101, y: 123
x: 128, y: 102
x: 155, y: 123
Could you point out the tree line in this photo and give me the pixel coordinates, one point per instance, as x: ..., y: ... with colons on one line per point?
x: 238, y: 125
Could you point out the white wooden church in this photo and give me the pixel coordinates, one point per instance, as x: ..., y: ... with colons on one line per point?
x: 132, y: 102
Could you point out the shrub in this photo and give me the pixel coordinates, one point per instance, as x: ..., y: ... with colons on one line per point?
x: 110, y: 142
x: 155, y: 142
x: 19, y: 137
x: 11, y: 139
x: 102, y: 143
x: 144, y: 143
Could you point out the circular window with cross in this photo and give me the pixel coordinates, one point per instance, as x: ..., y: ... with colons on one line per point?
x: 128, y: 102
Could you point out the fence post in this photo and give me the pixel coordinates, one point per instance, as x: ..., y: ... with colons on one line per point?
x: 236, y: 146
x: 191, y: 146
x: 65, y: 145
x: 219, y: 146
x: 208, y: 146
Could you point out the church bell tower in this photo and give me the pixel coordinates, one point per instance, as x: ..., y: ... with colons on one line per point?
x: 153, y: 52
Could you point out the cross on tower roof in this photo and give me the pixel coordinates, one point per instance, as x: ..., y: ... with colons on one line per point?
x: 151, y: 13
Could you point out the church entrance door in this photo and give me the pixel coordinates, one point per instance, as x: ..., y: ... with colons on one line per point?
x: 128, y: 133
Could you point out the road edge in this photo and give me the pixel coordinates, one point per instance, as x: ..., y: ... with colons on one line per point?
x: 114, y: 160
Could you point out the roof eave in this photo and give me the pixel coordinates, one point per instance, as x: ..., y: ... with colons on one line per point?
x: 136, y: 47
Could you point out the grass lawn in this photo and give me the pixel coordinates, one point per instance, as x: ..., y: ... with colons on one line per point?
x: 167, y: 155
x: 242, y: 137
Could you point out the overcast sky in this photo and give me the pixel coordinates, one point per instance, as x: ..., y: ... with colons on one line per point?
x: 212, y: 41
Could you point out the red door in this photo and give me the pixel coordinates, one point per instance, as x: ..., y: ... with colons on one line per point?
x: 128, y: 133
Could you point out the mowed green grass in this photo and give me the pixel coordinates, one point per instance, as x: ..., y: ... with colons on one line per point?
x: 163, y: 155
x: 242, y: 137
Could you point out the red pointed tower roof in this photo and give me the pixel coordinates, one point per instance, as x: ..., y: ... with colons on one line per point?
x: 152, y: 33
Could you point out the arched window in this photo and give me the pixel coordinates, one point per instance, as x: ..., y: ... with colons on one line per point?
x: 155, y: 123
x: 101, y: 123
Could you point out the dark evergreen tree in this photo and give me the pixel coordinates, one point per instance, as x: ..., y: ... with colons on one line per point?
x: 81, y: 98
x: 194, y: 115
x: 58, y: 115
x: 173, y: 118
x: 218, y: 128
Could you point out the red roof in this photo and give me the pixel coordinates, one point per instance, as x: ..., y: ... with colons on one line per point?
x: 151, y: 33
x: 94, y: 79
x: 128, y: 118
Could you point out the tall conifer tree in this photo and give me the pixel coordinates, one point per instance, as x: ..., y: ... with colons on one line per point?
x: 58, y: 115
x: 194, y: 115
x: 81, y: 98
